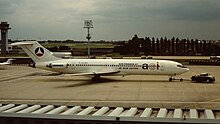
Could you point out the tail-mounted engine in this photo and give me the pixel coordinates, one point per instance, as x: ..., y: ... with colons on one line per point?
x: 57, y: 65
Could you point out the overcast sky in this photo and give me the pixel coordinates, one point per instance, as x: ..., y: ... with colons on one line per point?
x: 112, y: 19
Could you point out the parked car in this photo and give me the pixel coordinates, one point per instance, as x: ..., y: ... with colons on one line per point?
x: 203, y: 77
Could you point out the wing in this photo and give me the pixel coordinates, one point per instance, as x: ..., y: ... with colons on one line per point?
x: 109, y: 72
x: 4, y: 63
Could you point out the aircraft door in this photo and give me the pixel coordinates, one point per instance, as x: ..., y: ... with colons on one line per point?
x: 162, y: 67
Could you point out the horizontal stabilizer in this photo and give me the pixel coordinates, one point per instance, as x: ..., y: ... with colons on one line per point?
x: 21, y: 44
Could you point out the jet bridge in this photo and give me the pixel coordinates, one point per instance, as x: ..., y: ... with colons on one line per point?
x: 47, y: 114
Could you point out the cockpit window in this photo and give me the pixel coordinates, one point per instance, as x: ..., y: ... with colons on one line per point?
x: 181, y: 66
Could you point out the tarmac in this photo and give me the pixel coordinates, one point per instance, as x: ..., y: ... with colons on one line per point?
x: 22, y: 84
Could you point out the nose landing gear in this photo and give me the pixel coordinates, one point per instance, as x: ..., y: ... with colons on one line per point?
x: 172, y: 78
x: 96, y: 77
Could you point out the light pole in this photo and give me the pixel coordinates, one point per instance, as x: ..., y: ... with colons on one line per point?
x: 88, y: 24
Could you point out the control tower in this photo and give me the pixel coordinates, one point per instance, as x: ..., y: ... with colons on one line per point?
x: 4, y: 27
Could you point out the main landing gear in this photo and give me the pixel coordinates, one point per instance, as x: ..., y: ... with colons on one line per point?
x: 96, y: 77
x: 172, y: 78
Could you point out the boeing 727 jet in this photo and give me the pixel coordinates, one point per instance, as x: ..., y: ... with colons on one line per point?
x: 44, y: 59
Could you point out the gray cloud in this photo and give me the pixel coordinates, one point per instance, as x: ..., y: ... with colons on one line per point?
x: 8, y: 7
x: 115, y: 19
x: 195, y: 10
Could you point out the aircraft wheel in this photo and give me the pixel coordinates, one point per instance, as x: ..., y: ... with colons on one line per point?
x: 171, y: 79
x: 209, y: 81
x: 96, y: 77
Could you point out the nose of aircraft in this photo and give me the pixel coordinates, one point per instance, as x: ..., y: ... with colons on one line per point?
x: 185, y: 69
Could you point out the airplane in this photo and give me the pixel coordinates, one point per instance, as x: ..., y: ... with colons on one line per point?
x: 44, y: 59
x: 8, y: 62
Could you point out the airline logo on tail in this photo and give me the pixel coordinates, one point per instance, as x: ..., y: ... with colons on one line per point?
x: 39, y: 51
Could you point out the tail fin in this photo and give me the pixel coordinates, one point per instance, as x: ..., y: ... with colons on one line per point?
x: 36, y: 51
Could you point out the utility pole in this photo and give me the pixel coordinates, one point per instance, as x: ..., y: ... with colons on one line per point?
x: 88, y: 24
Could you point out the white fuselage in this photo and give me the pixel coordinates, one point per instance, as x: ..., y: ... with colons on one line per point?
x: 124, y: 67
x: 44, y: 59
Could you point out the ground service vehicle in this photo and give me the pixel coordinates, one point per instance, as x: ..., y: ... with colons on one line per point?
x: 203, y: 77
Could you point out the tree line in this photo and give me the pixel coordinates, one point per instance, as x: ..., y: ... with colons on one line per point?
x: 164, y: 46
